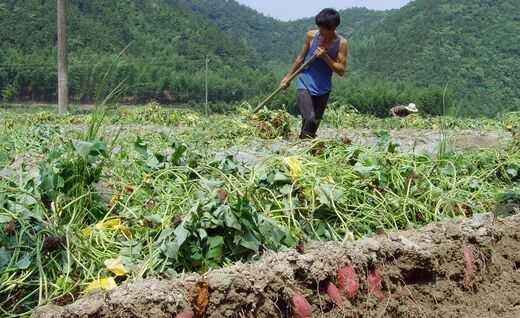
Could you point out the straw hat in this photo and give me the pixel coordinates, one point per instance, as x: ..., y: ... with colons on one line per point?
x: 412, y: 108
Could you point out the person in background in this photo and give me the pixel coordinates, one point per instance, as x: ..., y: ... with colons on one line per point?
x: 314, y: 83
x: 403, y: 111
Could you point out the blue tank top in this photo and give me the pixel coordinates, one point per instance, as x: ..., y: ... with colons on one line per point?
x: 317, y: 78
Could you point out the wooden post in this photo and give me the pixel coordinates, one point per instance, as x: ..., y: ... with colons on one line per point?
x: 63, y: 90
x: 206, y: 81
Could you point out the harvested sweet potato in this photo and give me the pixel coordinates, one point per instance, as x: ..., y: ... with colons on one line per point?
x: 469, y: 266
x: 347, y: 281
x: 375, y: 284
x: 185, y: 314
x: 333, y: 293
x: 301, y: 307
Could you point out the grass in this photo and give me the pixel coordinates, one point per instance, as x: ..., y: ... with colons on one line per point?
x: 167, y: 204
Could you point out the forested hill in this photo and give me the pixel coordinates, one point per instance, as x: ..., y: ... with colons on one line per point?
x: 396, y: 56
x: 473, y: 46
x: 469, y: 45
x: 164, y: 46
x: 274, y: 40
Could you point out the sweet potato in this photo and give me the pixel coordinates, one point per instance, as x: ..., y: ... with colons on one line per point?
x: 333, y: 293
x: 301, y: 307
x: 375, y: 284
x: 347, y: 281
x: 469, y: 266
x: 185, y: 314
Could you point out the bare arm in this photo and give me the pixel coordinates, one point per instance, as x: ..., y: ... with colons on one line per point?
x: 300, y: 59
x: 339, y: 66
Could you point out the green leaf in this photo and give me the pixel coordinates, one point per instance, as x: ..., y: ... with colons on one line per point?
x: 202, y: 233
x: 26, y: 199
x: 286, y: 189
x: 83, y: 148
x: 154, y: 219
x: 362, y: 170
x: 5, y: 219
x: 328, y: 194
x: 152, y: 162
x: 170, y: 249
x: 177, y: 155
x: 250, y: 242
x: 181, y: 234
x: 231, y: 220
x: 474, y: 184
x: 141, y: 147
x: 24, y: 262
x: 5, y: 257
x: 216, y: 247
x: 131, y: 251
x: 280, y: 177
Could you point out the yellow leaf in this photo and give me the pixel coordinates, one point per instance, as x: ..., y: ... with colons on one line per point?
x: 124, y: 230
x: 115, y: 266
x: 87, y: 232
x: 101, y: 283
x: 295, y: 166
x: 329, y: 179
x: 112, y: 224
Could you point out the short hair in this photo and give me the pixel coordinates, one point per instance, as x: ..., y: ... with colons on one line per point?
x: 328, y: 18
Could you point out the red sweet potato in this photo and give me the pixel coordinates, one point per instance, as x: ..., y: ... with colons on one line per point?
x: 301, y: 307
x: 375, y: 284
x: 469, y: 266
x: 185, y: 314
x: 347, y: 281
x: 333, y: 293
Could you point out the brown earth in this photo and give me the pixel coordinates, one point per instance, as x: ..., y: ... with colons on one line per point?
x: 425, y: 274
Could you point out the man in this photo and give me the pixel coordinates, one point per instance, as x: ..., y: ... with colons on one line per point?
x: 403, y: 111
x: 314, y: 84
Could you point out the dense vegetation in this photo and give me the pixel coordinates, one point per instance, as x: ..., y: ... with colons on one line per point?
x: 82, y: 211
x: 398, y: 56
x: 163, y: 49
x: 469, y: 45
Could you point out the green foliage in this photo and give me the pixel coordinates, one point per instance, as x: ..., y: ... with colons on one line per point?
x: 376, y: 97
x: 70, y: 170
x: 270, y: 124
x: 9, y: 93
x: 215, y: 231
x: 157, y: 50
x: 469, y: 45
x: 177, y: 201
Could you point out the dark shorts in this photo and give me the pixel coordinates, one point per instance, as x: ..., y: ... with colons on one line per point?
x: 312, y: 109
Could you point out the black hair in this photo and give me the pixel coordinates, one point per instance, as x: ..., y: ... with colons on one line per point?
x: 328, y: 18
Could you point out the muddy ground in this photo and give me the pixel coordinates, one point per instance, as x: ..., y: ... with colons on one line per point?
x: 425, y: 273
x: 418, y: 141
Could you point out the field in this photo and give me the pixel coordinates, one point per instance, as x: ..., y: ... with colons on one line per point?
x: 102, y: 197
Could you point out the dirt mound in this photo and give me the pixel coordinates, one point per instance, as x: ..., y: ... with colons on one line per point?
x: 457, y: 268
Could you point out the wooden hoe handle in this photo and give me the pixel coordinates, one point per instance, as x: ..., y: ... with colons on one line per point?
x: 279, y: 89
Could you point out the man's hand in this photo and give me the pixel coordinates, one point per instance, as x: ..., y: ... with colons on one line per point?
x: 285, y: 83
x: 321, y: 53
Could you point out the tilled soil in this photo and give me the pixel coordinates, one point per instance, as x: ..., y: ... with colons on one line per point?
x: 418, y: 141
x: 457, y: 268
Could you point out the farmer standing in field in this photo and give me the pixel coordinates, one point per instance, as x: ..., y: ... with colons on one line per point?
x: 314, y: 83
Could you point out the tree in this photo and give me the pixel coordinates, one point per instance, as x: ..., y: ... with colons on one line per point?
x: 63, y: 91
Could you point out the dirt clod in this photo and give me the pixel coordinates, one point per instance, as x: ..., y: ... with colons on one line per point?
x: 9, y: 228
x: 200, y: 298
